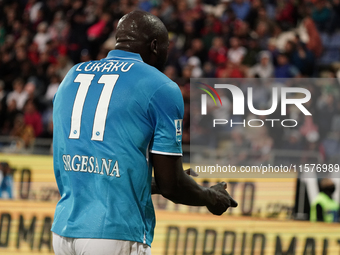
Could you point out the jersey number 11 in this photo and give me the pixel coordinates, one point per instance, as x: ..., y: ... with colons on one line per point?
x: 85, y: 80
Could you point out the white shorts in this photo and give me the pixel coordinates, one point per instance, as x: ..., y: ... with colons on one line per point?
x: 83, y: 246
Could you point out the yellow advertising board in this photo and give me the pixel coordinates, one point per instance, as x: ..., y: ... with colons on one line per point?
x: 25, y: 230
x: 208, y: 234
x: 25, y: 221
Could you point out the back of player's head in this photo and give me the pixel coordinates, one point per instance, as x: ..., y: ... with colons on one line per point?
x: 143, y: 33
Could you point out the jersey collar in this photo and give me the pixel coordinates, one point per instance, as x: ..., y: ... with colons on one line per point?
x: 121, y: 54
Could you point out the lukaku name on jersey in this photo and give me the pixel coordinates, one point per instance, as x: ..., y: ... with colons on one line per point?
x: 112, y: 66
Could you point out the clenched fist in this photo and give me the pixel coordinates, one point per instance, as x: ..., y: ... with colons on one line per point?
x: 221, y: 200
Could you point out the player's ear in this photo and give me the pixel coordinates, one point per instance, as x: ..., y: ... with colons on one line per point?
x: 154, y: 46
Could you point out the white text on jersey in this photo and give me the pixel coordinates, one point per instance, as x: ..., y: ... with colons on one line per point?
x: 91, y: 164
x: 107, y: 66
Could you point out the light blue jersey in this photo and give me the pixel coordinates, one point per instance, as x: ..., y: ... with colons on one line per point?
x: 107, y: 116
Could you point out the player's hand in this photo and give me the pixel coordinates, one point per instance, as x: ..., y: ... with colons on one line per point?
x: 222, y: 199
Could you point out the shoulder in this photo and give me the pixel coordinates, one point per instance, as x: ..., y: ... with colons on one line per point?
x: 168, y: 88
x: 167, y: 96
x: 155, y: 80
x: 152, y: 73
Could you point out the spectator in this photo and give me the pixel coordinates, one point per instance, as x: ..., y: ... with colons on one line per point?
x: 64, y: 64
x: 52, y: 89
x: 263, y: 17
x: 30, y: 89
x: 293, y: 143
x: 229, y: 70
x: 58, y: 29
x: 262, y: 33
x: 2, y: 93
x: 280, y: 37
x: 265, y: 67
x: 195, y: 64
x: 321, y: 15
x: 323, y: 207
x: 240, y: 149
x: 253, y: 13
x: 2, y: 33
x: 241, y: 8
x: 326, y: 111
x: 19, y: 95
x: 9, y: 68
x: 33, y: 118
x: 284, y: 69
x: 42, y: 37
x: 78, y: 33
x: 189, y: 35
x: 252, y: 53
x: 212, y: 27
x: 23, y: 135
x: 308, y: 127
x: 218, y: 52
x: 171, y: 72
x: 286, y: 14
x: 33, y: 7
x: 336, y: 16
x: 314, y: 43
x: 10, y: 115
x: 96, y: 30
x: 2, y: 104
x: 33, y: 53
x: 236, y: 52
x: 301, y: 57
x: 209, y: 70
x: 48, y: 131
x: 198, y: 49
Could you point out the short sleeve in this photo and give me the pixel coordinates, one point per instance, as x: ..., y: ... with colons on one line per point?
x: 166, y: 109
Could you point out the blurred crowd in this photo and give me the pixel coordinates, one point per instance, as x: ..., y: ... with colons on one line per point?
x: 41, y: 40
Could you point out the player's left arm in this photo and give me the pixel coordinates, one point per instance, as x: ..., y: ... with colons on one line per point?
x: 165, y: 108
x: 155, y: 189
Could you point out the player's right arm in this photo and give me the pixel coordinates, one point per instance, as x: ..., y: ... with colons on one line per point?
x: 175, y: 185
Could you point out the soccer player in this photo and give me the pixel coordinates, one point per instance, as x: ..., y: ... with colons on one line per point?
x: 113, y: 120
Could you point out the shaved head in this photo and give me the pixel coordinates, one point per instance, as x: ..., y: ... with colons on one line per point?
x: 143, y: 33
